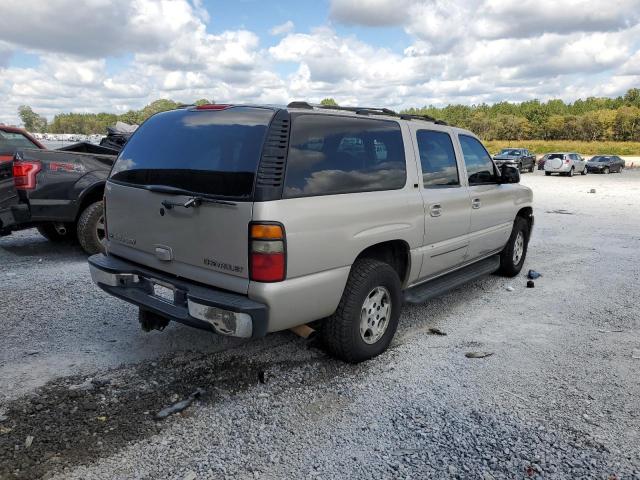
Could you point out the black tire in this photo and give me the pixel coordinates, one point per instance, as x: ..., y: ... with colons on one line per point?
x: 606, y: 170
x: 508, y: 267
x: 48, y: 231
x: 570, y: 173
x: 548, y: 174
x: 340, y: 333
x: 584, y: 171
x: 88, y: 229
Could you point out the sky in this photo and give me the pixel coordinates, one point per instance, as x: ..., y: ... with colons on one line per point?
x: 116, y: 55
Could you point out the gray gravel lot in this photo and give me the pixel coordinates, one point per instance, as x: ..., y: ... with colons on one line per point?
x: 559, y: 397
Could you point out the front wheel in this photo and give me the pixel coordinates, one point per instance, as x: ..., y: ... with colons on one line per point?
x: 514, y: 253
x: 606, y: 170
x: 367, y: 316
x: 91, y: 231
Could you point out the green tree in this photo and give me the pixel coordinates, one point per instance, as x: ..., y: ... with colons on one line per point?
x: 203, y: 101
x: 31, y: 120
x: 329, y: 102
x: 627, y: 124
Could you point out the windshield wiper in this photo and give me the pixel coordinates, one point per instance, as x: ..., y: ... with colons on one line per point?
x: 195, y: 201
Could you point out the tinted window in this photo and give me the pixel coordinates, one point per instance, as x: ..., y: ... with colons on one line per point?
x: 12, y: 141
x: 331, y: 154
x: 479, y: 164
x: 204, y: 151
x: 437, y: 158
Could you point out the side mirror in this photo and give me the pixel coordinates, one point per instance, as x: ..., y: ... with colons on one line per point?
x: 509, y: 174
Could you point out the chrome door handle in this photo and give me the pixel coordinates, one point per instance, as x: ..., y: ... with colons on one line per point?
x: 435, y: 210
x: 475, y: 203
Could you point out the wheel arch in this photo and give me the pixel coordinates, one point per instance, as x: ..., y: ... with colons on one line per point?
x: 393, y: 252
x: 527, y: 214
x: 90, y: 195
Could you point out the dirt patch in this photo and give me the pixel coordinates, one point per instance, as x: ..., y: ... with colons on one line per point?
x: 74, y: 420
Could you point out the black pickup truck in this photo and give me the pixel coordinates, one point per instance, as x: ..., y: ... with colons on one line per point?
x: 58, y: 192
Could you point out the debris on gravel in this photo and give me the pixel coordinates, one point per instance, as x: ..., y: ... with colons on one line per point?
x: 179, y: 406
x: 478, y: 354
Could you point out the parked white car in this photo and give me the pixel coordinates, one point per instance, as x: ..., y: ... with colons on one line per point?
x: 565, y: 163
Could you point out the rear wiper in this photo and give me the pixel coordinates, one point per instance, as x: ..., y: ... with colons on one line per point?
x: 195, y: 200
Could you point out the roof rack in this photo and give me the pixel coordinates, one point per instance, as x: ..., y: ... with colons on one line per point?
x: 366, y: 111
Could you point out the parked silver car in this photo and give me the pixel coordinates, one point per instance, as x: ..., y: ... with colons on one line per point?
x: 565, y: 163
x: 245, y: 220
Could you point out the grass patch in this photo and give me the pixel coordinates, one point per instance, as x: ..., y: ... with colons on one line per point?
x: 584, y: 148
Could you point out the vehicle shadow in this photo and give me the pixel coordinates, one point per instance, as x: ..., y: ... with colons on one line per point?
x: 30, y: 244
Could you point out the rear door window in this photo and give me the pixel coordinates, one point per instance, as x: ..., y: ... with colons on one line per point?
x: 438, y: 159
x: 329, y: 154
x: 10, y: 142
x: 480, y: 167
x: 211, y: 152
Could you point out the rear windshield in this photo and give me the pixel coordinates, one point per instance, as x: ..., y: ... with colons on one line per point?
x: 212, y: 152
x: 12, y: 141
x: 555, y: 155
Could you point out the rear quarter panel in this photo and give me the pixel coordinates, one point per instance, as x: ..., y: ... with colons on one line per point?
x: 63, y: 180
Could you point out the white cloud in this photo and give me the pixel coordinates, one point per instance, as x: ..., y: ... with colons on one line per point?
x: 371, y: 12
x: 459, y: 51
x: 286, y: 27
x: 96, y: 27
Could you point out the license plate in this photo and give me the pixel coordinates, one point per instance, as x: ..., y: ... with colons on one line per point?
x: 164, y: 293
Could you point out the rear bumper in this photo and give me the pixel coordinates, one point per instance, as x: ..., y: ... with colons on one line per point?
x: 14, y: 217
x: 202, y: 307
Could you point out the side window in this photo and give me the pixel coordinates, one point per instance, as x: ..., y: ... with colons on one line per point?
x: 330, y: 154
x: 480, y: 167
x: 438, y: 159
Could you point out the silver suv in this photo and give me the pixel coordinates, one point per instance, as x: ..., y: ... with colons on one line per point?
x: 244, y: 220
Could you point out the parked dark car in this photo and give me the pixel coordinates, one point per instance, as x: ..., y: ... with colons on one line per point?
x: 58, y: 192
x: 521, y: 158
x: 542, y: 161
x: 605, y: 164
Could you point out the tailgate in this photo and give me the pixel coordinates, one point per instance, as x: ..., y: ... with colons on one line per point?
x: 8, y: 193
x: 174, y: 158
x: 206, y: 244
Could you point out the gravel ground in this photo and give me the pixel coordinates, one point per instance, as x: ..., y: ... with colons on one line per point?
x: 559, y: 398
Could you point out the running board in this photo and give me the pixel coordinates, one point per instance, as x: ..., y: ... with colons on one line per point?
x: 438, y: 286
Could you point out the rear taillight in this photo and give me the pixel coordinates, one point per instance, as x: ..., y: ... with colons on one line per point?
x: 267, y: 249
x: 567, y: 161
x: 24, y: 174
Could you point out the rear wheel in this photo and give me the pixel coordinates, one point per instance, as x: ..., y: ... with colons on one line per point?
x: 59, y: 235
x: 367, y: 316
x: 570, y: 173
x: 548, y: 174
x: 605, y: 170
x: 91, y: 230
x: 514, y: 253
x: 584, y: 171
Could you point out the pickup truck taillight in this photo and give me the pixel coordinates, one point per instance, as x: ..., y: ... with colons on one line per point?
x: 267, y: 260
x: 24, y: 174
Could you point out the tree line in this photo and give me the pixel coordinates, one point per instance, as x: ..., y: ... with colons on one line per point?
x: 88, y: 123
x: 592, y: 119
